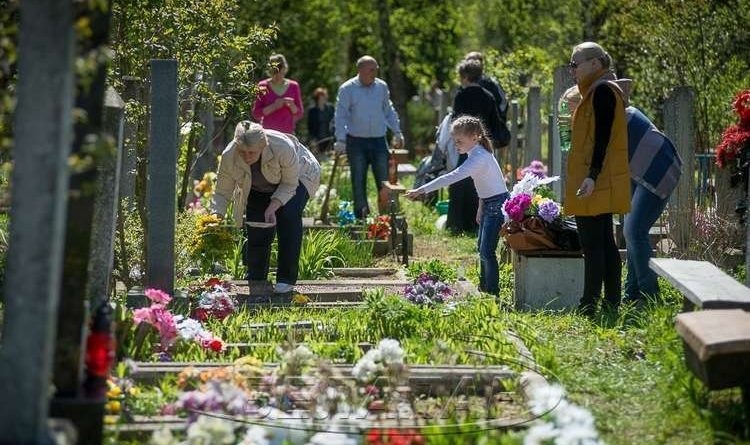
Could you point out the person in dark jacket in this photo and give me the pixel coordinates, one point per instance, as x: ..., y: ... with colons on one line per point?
x: 498, y: 93
x: 319, y: 122
x: 471, y: 100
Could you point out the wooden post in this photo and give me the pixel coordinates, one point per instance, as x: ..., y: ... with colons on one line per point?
x: 162, y: 176
x: 533, y: 143
x: 513, y: 140
x: 562, y: 81
x: 679, y: 127
x: 43, y: 130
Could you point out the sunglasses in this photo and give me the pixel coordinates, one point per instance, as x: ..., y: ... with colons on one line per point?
x: 573, y: 64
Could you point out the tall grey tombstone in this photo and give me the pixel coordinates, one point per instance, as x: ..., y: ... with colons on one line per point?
x: 105, y: 204
x: 132, y: 91
x: 513, y: 115
x: 558, y: 160
x: 43, y: 134
x: 533, y: 140
x: 679, y: 127
x: 162, y: 176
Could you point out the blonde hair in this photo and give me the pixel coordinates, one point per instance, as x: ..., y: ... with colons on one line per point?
x: 472, y: 126
x: 250, y: 134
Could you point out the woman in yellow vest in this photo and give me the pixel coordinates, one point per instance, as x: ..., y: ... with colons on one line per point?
x: 598, y: 178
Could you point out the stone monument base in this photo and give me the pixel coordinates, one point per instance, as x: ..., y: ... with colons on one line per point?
x: 547, y: 279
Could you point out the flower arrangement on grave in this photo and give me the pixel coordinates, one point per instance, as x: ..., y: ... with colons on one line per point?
x: 211, y: 241
x: 427, y: 289
x: 346, y: 215
x: 379, y: 228
x: 529, y: 212
x: 392, y: 436
x: 213, y: 300
x: 202, y: 192
x: 173, y: 328
x: 733, y: 150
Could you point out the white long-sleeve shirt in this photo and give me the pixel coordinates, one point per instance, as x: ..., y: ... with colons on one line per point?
x: 482, y: 167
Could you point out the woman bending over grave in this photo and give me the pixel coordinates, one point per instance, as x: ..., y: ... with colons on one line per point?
x: 470, y: 138
x: 270, y: 176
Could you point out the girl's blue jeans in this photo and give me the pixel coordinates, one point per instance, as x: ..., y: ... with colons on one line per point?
x: 645, y: 209
x: 489, y: 235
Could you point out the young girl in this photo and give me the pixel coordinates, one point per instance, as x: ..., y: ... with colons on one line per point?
x: 470, y: 137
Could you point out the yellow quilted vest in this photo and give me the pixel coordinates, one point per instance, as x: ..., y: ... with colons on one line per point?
x: 612, y: 188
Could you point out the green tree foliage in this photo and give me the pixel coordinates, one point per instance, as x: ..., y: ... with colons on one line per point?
x: 701, y: 43
x: 216, y: 56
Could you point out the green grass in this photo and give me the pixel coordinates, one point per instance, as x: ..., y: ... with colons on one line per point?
x: 629, y: 371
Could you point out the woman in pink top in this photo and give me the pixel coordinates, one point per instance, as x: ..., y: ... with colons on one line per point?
x: 279, y: 103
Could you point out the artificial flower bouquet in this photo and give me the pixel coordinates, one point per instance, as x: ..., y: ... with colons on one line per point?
x: 213, y: 300
x: 529, y: 213
x: 379, y: 227
x: 427, y: 290
x: 733, y: 150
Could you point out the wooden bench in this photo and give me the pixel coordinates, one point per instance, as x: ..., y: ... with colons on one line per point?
x: 717, y: 349
x: 703, y: 284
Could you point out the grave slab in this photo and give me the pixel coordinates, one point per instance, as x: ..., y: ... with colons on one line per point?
x: 550, y: 280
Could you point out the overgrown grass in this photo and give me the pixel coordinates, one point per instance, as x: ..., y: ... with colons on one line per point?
x: 628, y: 370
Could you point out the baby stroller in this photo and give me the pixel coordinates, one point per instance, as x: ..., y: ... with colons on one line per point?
x: 443, y: 159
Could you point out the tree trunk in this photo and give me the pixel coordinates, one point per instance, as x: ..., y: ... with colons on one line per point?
x: 395, y: 74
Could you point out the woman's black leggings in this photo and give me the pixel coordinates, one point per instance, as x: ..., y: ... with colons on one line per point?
x: 601, y: 260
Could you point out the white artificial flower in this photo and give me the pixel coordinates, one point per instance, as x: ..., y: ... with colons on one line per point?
x: 210, y: 431
x: 185, y: 128
x: 365, y: 369
x: 391, y: 350
x: 526, y: 185
x: 576, y: 435
x: 303, y: 354
x: 163, y: 437
x: 545, y: 398
x: 256, y: 435
x: 188, y: 328
x: 573, y: 415
x: 540, y: 434
x: 331, y: 439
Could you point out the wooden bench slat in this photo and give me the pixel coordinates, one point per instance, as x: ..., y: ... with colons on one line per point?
x: 704, y: 284
x: 715, y: 332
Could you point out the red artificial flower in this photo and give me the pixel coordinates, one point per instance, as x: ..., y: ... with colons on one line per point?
x: 213, y: 281
x: 216, y: 345
x: 735, y: 138
x: 742, y: 106
x: 200, y: 314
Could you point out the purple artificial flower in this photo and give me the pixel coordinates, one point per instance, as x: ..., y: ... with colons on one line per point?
x: 549, y: 210
x: 536, y: 168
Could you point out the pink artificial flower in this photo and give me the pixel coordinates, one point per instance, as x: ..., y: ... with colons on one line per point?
x: 516, y: 206
x: 143, y: 315
x: 165, y: 324
x: 158, y: 296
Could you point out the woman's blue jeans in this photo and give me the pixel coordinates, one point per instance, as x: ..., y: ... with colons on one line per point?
x: 645, y: 208
x: 362, y: 153
x: 489, y: 235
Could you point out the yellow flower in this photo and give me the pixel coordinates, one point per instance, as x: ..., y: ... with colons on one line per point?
x: 114, y: 392
x: 300, y: 299
x: 113, y: 407
x: 536, y: 200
